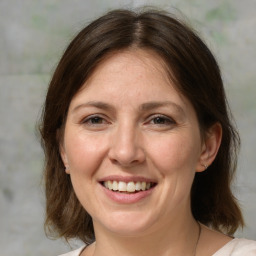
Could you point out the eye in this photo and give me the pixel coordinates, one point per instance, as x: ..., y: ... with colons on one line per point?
x: 94, y: 120
x: 161, y: 120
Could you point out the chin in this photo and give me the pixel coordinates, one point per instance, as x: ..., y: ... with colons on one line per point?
x: 128, y: 224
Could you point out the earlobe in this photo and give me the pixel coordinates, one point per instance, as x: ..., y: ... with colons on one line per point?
x: 210, y: 147
x: 64, y: 158
x: 62, y: 150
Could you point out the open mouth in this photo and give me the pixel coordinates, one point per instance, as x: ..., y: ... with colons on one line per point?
x: 128, y: 187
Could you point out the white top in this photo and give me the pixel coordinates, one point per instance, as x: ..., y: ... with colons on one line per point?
x: 236, y: 247
x: 74, y: 253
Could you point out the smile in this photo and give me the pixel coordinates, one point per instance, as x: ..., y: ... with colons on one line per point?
x: 128, y: 187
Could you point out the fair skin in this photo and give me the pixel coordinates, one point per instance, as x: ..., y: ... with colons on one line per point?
x: 128, y: 124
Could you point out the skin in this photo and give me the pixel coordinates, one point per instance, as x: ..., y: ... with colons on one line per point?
x: 129, y: 120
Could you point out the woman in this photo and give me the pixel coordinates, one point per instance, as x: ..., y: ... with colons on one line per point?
x: 140, y: 150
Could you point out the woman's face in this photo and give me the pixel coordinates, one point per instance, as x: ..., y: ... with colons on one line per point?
x: 132, y: 145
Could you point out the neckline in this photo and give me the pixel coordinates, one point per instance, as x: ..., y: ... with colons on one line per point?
x: 234, y: 240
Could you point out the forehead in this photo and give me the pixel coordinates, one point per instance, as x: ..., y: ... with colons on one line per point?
x: 135, y: 64
x: 143, y: 56
x: 126, y: 67
x: 130, y: 77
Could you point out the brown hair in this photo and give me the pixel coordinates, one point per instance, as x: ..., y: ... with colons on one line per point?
x: 196, y: 75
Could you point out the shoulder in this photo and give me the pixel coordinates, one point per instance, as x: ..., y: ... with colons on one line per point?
x: 238, y: 247
x: 74, y: 253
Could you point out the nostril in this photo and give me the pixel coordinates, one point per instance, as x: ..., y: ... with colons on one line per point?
x: 125, y: 150
x: 127, y: 159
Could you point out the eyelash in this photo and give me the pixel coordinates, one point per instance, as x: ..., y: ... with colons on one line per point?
x: 156, y: 120
x: 89, y: 120
x: 167, y: 120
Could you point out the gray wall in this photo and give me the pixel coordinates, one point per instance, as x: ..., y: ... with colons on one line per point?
x: 33, y: 36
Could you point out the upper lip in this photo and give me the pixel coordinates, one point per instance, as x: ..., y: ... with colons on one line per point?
x: 127, y: 178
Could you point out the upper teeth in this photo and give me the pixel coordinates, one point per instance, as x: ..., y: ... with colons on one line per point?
x: 127, y: 187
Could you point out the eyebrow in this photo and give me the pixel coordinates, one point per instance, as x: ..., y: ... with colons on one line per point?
x: 96, y: 104
x: 143, y: 107
x: 158, y: 104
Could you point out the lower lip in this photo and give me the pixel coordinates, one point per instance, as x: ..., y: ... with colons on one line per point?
x: 127, y: 198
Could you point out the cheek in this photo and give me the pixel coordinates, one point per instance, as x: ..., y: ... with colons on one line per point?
x: 175, y: 152
x: 84, y: 152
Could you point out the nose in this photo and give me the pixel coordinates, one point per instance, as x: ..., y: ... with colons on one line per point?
x: 126, y: 146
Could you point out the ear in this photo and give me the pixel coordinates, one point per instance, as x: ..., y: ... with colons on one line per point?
x: 210, y: 147
x: 62, y: 151
x: 64, y: 158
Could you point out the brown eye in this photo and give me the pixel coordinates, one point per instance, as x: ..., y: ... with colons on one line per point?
x: 94, y: 120
x: 162, y: 120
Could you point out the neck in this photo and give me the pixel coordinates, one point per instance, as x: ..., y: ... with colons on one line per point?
x: 179, y: 238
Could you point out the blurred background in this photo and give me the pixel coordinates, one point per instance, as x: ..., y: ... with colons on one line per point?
x: 33, y: 36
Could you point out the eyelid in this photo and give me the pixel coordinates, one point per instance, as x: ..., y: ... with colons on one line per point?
x: 90, y: 117
x: 167, y: 118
